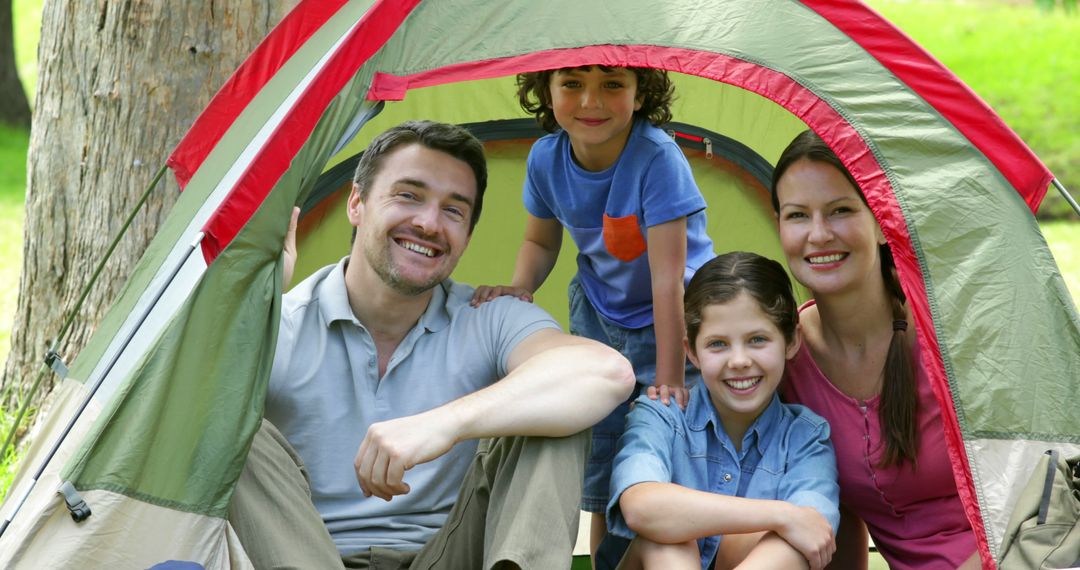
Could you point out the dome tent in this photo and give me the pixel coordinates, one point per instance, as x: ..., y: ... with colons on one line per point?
x: 177, y: 371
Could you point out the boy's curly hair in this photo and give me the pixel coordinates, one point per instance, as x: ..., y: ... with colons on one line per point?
x: 654, y: 88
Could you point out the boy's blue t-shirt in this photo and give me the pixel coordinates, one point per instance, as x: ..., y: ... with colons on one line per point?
x: 607, y: 214
x: 786, y: 455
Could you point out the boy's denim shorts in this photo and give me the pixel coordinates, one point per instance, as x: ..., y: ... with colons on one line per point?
x: 639, y: 347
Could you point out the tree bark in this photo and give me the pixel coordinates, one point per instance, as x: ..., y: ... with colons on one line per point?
x: 120, y: 82
x: 14, y: 108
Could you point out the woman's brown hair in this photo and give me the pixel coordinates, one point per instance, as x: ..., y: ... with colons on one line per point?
x: 899, y: 397
x: 654, y: 89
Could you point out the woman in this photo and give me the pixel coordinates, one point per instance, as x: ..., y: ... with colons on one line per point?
x: 860, y: 368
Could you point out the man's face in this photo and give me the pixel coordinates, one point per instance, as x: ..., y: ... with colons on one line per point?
x: 413, y: 225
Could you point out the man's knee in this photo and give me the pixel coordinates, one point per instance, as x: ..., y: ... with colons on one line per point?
x: 564, y: 452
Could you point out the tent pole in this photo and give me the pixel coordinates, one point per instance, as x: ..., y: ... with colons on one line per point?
x: 1068, y: 197
x: 52, y: 358
x: 101, y: 378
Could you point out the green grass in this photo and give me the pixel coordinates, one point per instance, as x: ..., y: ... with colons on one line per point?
x: 1022, y: 61
x: 1064, y: 240
x: 26, y: 15
x: 12, y: 195
x: 13, y: 145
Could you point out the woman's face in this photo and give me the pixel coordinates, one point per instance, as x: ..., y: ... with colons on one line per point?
x: 829, y: 236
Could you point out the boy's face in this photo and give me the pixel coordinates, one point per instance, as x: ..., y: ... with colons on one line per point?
x: 595, y: 108
x: 741, y: 354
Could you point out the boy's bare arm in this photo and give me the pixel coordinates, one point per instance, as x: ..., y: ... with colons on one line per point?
x: 535, y: 260
x: 667, y: 263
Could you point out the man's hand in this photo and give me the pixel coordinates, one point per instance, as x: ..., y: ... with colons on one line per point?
x: 289, y: 251
x: 809, y: 533
x: 665, y: 393
x: 485, y: 293
x: 393, y: 447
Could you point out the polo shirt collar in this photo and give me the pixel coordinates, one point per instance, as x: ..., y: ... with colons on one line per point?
x: 334, y: 302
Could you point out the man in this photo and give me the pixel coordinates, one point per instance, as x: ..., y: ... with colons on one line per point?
x: 385, y: 377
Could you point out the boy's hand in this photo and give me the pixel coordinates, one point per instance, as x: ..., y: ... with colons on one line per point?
x: 808, y: 532
x: 485, y: 293
x: 665, y: 392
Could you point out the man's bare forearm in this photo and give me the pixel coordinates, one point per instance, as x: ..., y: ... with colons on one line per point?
x: 567, y: 384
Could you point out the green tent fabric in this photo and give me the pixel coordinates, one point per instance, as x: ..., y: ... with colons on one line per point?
x: 174, y: 377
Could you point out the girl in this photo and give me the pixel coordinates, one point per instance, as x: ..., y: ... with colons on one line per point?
x: 860, y: 368
x: 738, y: 477
x: 625, y: 192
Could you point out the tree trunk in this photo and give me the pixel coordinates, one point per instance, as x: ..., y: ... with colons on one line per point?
x: 14, y: 108
x: 120, y: 82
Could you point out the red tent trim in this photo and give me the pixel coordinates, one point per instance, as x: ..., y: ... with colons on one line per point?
x: 944, y: 91
x: 294, y: 129
x: 248, y: 79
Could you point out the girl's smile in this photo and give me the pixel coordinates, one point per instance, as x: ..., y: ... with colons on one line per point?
x: 741, y: 354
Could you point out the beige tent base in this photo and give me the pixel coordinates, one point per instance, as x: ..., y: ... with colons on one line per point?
x: 44, y: 532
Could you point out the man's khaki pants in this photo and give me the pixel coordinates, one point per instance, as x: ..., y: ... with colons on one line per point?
x: 518, y: 503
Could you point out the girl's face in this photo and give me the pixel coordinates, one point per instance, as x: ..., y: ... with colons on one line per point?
x: 829, y: 236
x: 741, y: 354
x: 595, y: 108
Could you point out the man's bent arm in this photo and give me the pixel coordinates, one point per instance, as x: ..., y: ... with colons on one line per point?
x: 558, y: 385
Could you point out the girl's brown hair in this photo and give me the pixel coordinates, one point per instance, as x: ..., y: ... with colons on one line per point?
x: 722, y: 278
x: 899, y: 398
x: 654, y: 89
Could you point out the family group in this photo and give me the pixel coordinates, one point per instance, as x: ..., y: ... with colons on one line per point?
x: 700, y: 414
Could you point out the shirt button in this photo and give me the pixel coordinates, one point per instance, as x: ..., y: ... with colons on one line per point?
x: 371, y: 361
x: 727, y: 476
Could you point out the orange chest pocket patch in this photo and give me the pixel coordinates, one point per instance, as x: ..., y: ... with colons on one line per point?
x: 622, y: 237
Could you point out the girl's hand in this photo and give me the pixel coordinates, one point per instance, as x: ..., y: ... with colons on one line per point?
x: 665, y: 392
x: 485, y: 293
x: 809, y: 533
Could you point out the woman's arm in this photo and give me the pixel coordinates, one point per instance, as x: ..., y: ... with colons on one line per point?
x: 852, y: 543
x: 667, y: 264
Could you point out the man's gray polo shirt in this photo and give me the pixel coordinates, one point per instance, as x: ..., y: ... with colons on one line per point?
x: 325, y: 392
